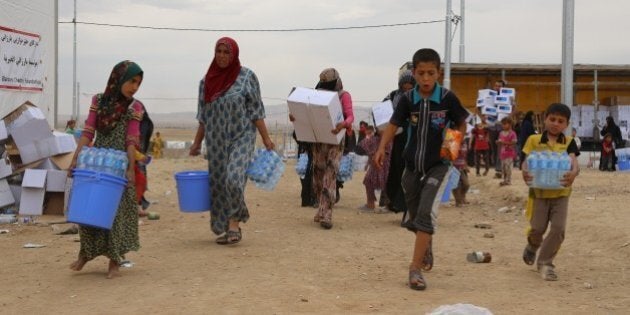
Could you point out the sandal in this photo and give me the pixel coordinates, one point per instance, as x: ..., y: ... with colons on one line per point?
x: 529, y: 257
x: 548, y: 274
x: 230, y: 237
x: 427, y: 261
x: 416, y: 281
x: 326, y: 225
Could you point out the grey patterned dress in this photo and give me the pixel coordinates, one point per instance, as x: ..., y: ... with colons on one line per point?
x: 230, y: 136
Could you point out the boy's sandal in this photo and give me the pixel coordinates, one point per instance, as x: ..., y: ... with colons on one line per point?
x: 427, y: 261
x: 548, y: 274
x: 416, y: 281
x: 529, y: 257
x: 230, y: 237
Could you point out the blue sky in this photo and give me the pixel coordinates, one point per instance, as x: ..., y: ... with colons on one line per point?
x: 367, y: 59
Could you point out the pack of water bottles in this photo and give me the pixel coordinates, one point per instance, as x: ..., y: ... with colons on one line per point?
x: 623, y: 159
x: 103, y: 160
x: 301, y: 165
x: 265, y: 169
x: 346, y: 167
x: 548, y: 168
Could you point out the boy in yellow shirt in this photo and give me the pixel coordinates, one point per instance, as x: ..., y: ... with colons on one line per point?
x: 550, y: 206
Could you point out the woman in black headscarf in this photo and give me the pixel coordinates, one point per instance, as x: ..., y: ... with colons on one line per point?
x: 527, y: 129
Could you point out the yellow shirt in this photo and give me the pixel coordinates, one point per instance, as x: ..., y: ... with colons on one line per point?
x: 541, y: 143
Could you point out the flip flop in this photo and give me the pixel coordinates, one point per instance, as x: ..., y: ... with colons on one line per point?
x: 230, y: 237
x: 416, y: 281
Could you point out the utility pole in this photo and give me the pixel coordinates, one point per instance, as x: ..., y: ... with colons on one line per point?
x: 447, y: 48
x: 566, y: 76
x: 74, y: 64
x: 462, y: 22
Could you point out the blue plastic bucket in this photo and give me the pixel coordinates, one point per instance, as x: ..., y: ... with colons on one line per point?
x: 193, y: 191
x: 623, y: 166
x: 95, y: 198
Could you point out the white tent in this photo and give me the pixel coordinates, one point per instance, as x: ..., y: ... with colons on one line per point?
x: 28, y: 55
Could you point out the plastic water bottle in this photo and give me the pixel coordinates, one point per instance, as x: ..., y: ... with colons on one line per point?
x: 109, y: 162
x: 81, y: 161
x: 89, y: 159
x: 565, y: 165
x: 533, y: 166
x: 554, y: 170
x: 124, y: 163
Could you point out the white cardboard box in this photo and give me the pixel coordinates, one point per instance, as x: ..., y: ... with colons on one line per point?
x: 56, y: 180
x: 502, y: 100
x: 5, y: 168
x: 32, y: 140
x: 508, y: 92
x: 316, y: 113
x: 33, y: 191
x: 486, y: 93
x: 382, y: 113
x: 23, y: 114
x: 486, y: 101
x: 4, y: 134
x: 6, y: 196
x: 489, y: 110
x: 62, y: 142
x: 504, y: 109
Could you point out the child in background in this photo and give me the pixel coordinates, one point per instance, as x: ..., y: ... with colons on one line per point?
x: 157, y: 146
x: 507, y: 154
x: 607, y: 160
x: 577, y: 140
x: 550, y: 206
x: 482, y: 147
x: 462, y: 166
x: 375, y: 178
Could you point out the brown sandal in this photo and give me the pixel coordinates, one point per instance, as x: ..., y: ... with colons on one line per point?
x: 416, y: 281
x: 230, y: 237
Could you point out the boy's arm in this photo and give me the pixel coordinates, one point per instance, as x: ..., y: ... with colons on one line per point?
x: 527, y: 148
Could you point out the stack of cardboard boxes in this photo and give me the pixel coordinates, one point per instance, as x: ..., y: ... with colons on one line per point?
x: 583, y: 119
x: 496, y: 106
x: 316, y: 114
x: 33, y: 167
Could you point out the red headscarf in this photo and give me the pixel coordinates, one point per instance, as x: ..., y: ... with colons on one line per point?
x: 219, y: 80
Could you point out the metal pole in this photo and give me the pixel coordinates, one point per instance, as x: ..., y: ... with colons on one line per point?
x: 595, y: 90
x: 56, y: 92
x: 566, y: 77
x: 74, y: 62
x: 77, y: 119
x: 447, y: 49
x: 462, y: 22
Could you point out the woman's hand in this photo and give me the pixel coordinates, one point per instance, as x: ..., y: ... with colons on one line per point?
x: 73, y: 165
x: 340, y: 126
x: 131, y: 176
x: 195, y: 149
x: 268, y: 143
x: 379, y: 157
x: 291, y: 117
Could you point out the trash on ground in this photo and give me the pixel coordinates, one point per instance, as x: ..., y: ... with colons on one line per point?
x: 460, y: 309
x: 33, y: 245
x: 483, y: 226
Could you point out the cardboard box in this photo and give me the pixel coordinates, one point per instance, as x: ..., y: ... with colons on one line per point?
x: 502, y: 100
x: 4, y: 133
x: 33, y: 191
x: 491, y: 120
x: 5, y: 168
x: 56, y: 180
x: 486, y: 101
x: 21, y: 115
x: 62, y: 142
x: 489, y: 110
x: 508, y: 92
x: 504, y: 109
x: 382, y: 113
x: 16, y: 191
x: 54, y: 203
x: 486, y: 93
x: 316, y: 113
x: 6, y: 196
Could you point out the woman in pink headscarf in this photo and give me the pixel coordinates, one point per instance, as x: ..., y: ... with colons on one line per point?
x: 230, y: 110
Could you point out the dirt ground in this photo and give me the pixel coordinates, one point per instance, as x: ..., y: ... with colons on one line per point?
x: 287, y: 264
